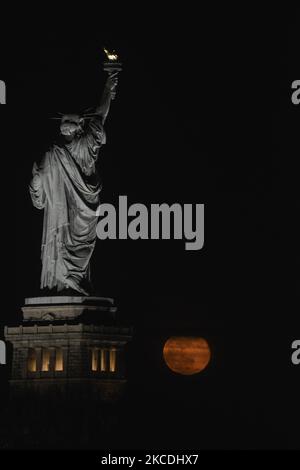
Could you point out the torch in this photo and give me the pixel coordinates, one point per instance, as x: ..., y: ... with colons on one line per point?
x: 112, y: 66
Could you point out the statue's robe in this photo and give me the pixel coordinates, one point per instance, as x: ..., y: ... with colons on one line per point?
x: 69, y: 194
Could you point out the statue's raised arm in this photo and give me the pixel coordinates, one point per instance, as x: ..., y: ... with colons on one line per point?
x: 107, y: 96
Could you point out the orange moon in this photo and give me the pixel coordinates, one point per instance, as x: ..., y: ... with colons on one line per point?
x: 186, y: 355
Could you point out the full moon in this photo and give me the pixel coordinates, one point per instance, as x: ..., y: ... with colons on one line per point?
x: 186, y: 355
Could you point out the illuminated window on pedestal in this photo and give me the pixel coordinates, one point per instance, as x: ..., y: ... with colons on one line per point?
x: 31, y: 362
x: 59, y: 360
x: 95, y: 359
x: 46, y: 360
x: 48, y: 364
x: 104, y: 360
x: 112, y: 360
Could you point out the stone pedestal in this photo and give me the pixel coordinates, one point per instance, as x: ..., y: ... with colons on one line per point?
x: 69, y: 347
x: 98, y: 309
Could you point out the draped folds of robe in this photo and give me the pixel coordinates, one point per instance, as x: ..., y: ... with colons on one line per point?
x: 66, y: 185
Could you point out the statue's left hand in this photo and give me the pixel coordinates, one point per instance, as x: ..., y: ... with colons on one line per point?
x: 36, y: 180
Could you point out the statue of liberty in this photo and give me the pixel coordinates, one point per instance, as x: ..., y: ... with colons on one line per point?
x: 66, y: 186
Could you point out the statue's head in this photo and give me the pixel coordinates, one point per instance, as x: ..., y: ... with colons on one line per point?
x: 71, y: 125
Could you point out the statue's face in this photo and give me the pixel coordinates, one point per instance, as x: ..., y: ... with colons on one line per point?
x: 70, y: 125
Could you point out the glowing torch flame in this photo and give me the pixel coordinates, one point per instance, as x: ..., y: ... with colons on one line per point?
x: 110, y: 55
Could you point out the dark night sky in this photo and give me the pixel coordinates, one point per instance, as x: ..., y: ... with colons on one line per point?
x: 202, y: 116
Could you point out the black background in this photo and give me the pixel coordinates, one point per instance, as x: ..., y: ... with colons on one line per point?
x: 202, y: 115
